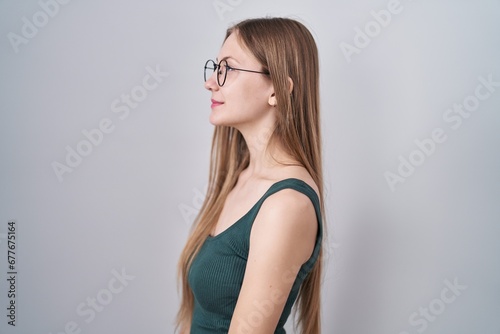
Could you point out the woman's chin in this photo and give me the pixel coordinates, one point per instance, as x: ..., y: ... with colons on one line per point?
x: 220, y: 120
x: 215, y: 121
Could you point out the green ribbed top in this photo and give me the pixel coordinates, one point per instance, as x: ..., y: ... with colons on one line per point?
x: 216, y: 274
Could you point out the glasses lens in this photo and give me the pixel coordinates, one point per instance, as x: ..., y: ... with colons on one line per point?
x: 221, y: 75
x: 210, y: 67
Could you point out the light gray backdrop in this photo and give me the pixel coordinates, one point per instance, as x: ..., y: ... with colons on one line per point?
x: 104, y: 144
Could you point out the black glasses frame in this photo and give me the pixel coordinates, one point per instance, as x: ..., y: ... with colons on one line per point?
x: 216, y: 67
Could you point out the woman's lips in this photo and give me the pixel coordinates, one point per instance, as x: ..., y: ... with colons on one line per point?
x: 216, y: 103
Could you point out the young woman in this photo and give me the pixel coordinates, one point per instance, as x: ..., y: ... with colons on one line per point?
x: 255, y: 247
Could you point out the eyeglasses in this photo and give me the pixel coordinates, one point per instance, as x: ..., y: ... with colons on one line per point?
x: 222, y: 68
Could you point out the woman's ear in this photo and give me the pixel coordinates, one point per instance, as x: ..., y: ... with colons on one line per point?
x: 290, y: 85
x: 272, y: 100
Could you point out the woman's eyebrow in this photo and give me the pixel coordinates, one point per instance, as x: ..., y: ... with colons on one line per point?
x: 226, y: 58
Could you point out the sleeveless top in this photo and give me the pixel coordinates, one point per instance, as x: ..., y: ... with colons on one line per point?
x: 216, y: 273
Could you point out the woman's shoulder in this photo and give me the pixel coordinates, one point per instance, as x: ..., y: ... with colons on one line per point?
x: 288, y: 215
x: 296, y: 172
x: 290, y: 201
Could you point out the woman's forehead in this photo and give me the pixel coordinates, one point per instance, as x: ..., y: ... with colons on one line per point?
x: 232, y: 49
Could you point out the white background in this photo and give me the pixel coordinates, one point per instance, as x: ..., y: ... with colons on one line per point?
x: 129, y: 204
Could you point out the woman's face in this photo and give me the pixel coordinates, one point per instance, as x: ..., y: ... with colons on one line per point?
x: 244, y: 99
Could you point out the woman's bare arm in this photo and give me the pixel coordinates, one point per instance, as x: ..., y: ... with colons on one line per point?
x: 282, y: 239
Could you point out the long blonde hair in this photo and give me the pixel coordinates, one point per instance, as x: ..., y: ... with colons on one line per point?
x: 285, y: 48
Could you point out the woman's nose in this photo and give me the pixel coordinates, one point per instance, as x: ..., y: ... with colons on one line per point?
x: 211, y: 83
